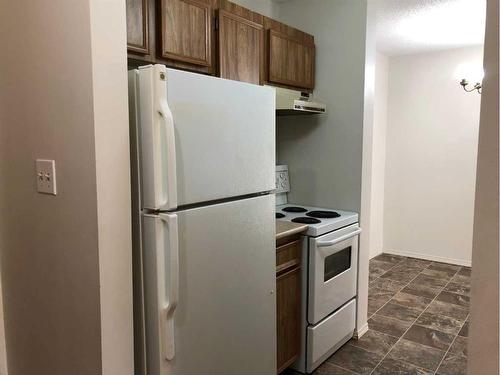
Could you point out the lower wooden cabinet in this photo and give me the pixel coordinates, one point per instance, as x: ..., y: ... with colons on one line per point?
x: 288, y: 302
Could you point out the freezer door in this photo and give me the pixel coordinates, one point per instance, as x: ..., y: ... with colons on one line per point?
x: 203, y: 138
x: 209, y: 281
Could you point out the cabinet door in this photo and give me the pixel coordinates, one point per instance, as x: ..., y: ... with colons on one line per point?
x: 241, y: 43
x: 288, y: 300
x: 291, y: 61
x: 185, y: 34
x: 137, y: 26
x: 288, y: 317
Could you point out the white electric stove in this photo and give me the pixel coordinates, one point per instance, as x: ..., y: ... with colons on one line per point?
x: 319, y: 220
x: 329, y: 275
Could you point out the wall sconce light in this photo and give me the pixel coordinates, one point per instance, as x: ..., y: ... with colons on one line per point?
x: 464, y: 83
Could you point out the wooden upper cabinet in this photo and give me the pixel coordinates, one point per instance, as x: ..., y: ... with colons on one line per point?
x: 290, y: 56
x: 138, y: 26
x: 241, y: 43
x: 186, y: 31
x: 219, y: 37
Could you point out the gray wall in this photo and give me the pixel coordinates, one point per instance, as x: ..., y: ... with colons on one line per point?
x: 265, y: 7
x: 324, y: 153
x: 55, y: 250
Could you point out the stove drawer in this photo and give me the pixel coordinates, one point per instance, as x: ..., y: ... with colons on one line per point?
x: 326, y: 337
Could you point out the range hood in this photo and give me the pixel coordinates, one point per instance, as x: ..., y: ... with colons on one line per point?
x: 291, y: 102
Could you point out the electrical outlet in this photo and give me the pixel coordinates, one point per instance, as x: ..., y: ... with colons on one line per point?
x: 46, y: 176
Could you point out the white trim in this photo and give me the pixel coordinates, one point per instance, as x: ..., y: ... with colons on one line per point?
x: 459, y: 262
x: 373, y: 254
x: 358, y: 333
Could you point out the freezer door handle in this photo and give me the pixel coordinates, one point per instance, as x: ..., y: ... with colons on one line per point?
x: 167, y: 146
x: 168, y: 281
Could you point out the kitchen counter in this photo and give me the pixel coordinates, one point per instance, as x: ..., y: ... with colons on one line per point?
x: 286, y: 228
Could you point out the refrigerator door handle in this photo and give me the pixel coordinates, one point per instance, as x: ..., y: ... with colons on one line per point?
x: 167, y: 145
x: 168, y: 282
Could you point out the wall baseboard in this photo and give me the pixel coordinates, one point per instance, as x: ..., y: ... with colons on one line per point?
x: 360, y: 332
x: 373, y: 254
x: 459, y: 262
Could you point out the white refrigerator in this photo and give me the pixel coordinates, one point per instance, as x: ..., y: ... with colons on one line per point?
x: 203, y: 157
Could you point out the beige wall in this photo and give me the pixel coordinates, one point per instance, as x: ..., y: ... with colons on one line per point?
x: 367, y: 183
x: 378, y: 155
x: 483, y: 336
x: 110, y: 105
x: 55, y: 250
x: 431, y: 153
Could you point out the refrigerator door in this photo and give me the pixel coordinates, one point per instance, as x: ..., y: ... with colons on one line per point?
x: 209, y: 281
x: 202, y: 138
x: 137, y: 260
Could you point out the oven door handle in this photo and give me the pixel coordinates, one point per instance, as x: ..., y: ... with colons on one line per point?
x: 337, y: 240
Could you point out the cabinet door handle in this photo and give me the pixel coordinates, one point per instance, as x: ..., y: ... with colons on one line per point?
x: 287, y: 272
x: 285, y: 266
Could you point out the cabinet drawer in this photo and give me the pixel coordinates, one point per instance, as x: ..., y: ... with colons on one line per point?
x: 288, y: 256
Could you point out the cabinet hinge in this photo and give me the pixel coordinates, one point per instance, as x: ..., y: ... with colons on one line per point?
x: 216, y: 23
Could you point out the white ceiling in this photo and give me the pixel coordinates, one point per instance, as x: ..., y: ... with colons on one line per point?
x: 415, y: 26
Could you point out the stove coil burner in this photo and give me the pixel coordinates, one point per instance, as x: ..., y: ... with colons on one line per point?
x: 294, y: 209
x: 279, y: 215
x: 306, y: 220
x: 323, y: 214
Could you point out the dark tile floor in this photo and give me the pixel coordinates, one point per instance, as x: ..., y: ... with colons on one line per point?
x: 418, y: 321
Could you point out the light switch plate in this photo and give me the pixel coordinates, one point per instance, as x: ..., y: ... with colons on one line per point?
x: 46, y: 176
x: 282, y: 179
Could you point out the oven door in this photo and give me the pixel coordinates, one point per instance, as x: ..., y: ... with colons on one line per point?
x: 333, y: 263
